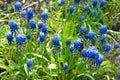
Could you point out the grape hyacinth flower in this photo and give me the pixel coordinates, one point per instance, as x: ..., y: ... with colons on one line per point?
x: 41, y: 37
x: 116, y: 45
x: 91, y: 35
x: 71, y: 9
x: 103, y: 2
x: 9, y: 37
x: 28, y: 36
x: 77, y: 43
x: 55, y: 41
x: 93, y: 54
x: 32, y: 24
x: 65, y: 66
x: 61, y: 2
x: 84, y: 52
x: 20, y: 39
x: 23, y: 14
x: 95, y: 13
x: 29, y: 62
x: 95, y: 2
x: 40, y: 24
x: 81, y: 18
x: 44, y: 16
x: 72, y: 48
x: 102, y: 38
x: 44, y: 28
x: 76, y: 1
x: 83, y: 30
x: 68, y: 41
x: 13, y: 26
x: 106, y: 47
x: 100, y: 59
x: 103, y: 29
x: 18, y: 6
x: 118, y: 75
x: 29, y: 13
x: 86, y: 8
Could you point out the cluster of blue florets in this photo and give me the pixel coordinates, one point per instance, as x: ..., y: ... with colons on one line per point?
x: 92, y: 53
x: 28, y: 14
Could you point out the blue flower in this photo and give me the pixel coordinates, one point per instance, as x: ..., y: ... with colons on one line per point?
x: 32, y: 24
x: 72, y: 48
x: 99, y: 60
x: 41, y: 37
x: 68, y: 41
x: 103, y: 2
x: 71, y: 9
x: 83, y: 30
x: 61, y: 2
x: 18, y: 6
x: 106, y: 47
x: 28, y: 36
x: 92, y: 54
x: 102, y: 38
x: 95, y: 2
x: 20, y: 39
x: 103, y: 29
x: 40, y: 24
x: 44, y: 16
x: 23, y: 14
x: 29, y: 13
x: 55, y: 41
x: 65, y: 66
x: 76, y: 1
x: 95, y: 13
x: 91, y: 35
x: 9, y: 37
x: 84, y: 52
x: 44, y: 28
x: 13, y: 25
x: 116, y: 45
x: 86, y: 8
x: 77, y: 43
x: 29, y: 62
x: 118, y: 75
x: 81, y: 18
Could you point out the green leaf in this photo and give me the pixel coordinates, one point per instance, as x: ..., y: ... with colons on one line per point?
x: 2, y: 65
x: 40, y: 56
x: 87, y: 75
x: 25, y: 68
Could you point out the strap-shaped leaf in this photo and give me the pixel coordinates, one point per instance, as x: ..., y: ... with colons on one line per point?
x: 39, y: 55
x: 87, y: 75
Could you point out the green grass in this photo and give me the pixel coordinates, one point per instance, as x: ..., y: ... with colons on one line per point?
x: 47, y: 61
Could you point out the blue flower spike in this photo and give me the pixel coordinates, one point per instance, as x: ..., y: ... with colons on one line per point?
x: 68, y: 41
x: 32, y: 24
x: 29, y: 13
x: 18, y: 6
x: 106, y: 47
x: 71, y: 9
x: 9, y: 37
x: 55, y: 41
x: 44, y: 16
x: 72, y: 48
x: 13, y: 26
x: 29, y: 62
x: 20, y: 39
x: 65, y: 66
